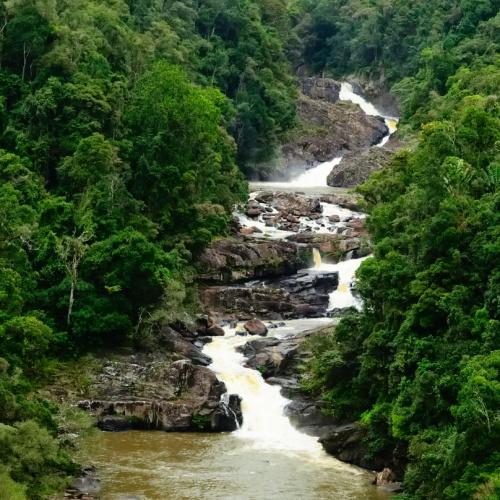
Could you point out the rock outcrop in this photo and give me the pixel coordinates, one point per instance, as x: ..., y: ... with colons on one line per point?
x: 233, y: 260
x: 330, y: 129
x: 244, y: 303
x: 324, y: 89
x: 304, y: 295
x: 148, y: 393
x: 337, y: 245
x: 348, y: 443
x: 355, y: 169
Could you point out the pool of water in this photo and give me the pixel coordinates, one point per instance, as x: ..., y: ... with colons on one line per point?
x: 158, y: 465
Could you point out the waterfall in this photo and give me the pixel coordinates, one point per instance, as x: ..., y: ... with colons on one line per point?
x: 316, y: 176
x: 264, y: 424
x: 342, y: 297
x: 347, y: 94
x: 316, y: 258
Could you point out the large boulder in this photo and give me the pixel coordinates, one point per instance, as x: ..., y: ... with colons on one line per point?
x: 163, y: 395
x: 271, y: 356
x: 307, y: 415
x: 355, y: 169
x: 233, y: 260
x: 308, y: 287
x: 255, y: 327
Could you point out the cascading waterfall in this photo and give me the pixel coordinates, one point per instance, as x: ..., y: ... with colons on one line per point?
x: 317, y: 176
x: 266, y: 457
x: 262, y: 403
x: 264, y: 424
x: 316, y: 258
x: 347, y: 94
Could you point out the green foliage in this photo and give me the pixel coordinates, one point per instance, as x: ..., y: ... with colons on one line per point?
x: 30, y: 456
x: 201, y: 422
x: 120, y: 127
x: 419, y: 366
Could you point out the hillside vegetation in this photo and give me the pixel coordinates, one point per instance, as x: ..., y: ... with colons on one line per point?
x: 121, y: 125
x: 419, y: 366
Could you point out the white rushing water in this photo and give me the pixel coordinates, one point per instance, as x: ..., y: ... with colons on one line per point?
x: 321, y: 225
x: 316, y: 176
x: 264, y: 424
x: 347, y: 94
x: 343, y: 297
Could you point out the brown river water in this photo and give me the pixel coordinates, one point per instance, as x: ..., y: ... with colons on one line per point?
x: 159, y: 465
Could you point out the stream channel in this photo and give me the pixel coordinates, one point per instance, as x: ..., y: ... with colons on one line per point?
x: 266, y: 458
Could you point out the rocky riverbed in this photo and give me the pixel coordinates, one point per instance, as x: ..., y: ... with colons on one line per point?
x: 282, y: 276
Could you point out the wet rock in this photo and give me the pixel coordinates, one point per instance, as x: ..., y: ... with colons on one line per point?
x: 228, y: 416
x: 290, y: 387
x: 312, y: 288
x: 233, y: 260
x: 270, y: 356
x: 307, y: 415
x: 201, y: 341
x: 114, y: 423
x: 88, y: 485
x: 256, y: 327
x: 216, y: 331
x: 357, y: 168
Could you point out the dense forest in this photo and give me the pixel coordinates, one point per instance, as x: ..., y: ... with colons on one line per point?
x: 121, y: 125
x: 419, y: 367
x: 126, y: 131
